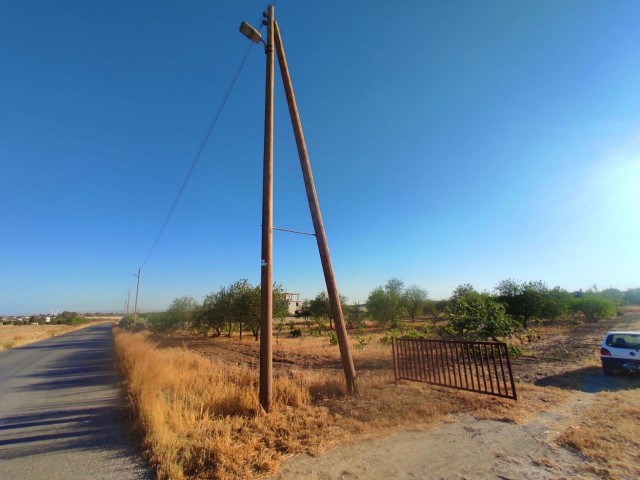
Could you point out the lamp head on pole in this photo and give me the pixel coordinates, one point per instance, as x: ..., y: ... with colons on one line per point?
x: 250, y: 32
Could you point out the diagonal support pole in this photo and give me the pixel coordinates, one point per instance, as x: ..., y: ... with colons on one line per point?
x: 314, y: 206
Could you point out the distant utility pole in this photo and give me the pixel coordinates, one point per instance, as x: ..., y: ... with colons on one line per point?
x: 266, y: 352
x: 135, y: 310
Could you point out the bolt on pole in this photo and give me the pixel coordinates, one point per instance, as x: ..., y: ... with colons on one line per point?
x: 316, y: 216
x: 266, y: 282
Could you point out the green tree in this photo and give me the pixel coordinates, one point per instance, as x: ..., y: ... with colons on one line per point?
x: 414, y: 299
x: 463, y: 290
x: 214, y: 312
x: 523, y: 301
x: 632, y: 296
x: 594, y: 306
x: 242, y: 304
x: 161, y: 322
x: 477, y: 316
x: 320, y: 308
x: 385, y: 303
x: 182, y: 311
x: 355, y: 316
x: 557, y: 303
x: 613, y: 294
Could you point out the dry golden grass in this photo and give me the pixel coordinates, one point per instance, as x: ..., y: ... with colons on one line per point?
x: 200, y: 418
x: 14, y: 336
x: 607, y: 434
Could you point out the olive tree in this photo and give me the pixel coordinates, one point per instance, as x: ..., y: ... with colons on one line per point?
x: 414, y: 299
x: 385, y: 304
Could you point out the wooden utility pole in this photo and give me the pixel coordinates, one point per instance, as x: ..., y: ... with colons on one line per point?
x: 135, y: 310
x: 266, y: 281
x: 314, y: 206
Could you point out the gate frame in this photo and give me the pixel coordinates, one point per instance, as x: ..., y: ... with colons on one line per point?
x: 416, y: 361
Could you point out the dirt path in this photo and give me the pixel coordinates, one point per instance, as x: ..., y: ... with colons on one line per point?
x: 469, y: 448
x: 466, y: 448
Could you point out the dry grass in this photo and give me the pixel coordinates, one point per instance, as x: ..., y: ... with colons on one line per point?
x: 200, y: 417
x: 607, y: 434
x: 16, y: 335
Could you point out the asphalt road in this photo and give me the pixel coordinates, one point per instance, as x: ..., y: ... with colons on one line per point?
x: 61, y: 413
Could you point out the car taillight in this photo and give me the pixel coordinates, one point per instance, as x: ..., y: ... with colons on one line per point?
x: 604, y: 352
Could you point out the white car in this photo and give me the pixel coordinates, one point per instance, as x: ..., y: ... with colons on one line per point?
x: 620, y: 351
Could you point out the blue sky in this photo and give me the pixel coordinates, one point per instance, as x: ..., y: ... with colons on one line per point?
x: 451, y: 142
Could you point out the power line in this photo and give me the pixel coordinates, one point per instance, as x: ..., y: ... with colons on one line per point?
x: 198, y: 154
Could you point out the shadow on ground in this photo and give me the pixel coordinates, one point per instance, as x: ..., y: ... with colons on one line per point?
x: 590, y: 380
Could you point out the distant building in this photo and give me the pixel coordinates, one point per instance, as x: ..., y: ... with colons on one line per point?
x: 293, y: 301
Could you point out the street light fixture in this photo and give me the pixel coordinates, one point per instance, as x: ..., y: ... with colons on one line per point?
x: 251, y: 33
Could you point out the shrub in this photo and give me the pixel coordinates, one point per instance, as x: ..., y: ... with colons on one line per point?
x: 594, y: 306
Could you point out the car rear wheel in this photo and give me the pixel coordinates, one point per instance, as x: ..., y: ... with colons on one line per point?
x: 607, y: 371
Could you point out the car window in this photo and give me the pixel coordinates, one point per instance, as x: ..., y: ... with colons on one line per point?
x: 624, y: 340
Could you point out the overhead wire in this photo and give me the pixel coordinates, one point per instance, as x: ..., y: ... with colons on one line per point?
x: 198, y: 153
x: 202, y: 145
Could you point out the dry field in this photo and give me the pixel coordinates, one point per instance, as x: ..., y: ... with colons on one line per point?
x: 196, y: 405
x: 196, y: 402
x: 14, y: 336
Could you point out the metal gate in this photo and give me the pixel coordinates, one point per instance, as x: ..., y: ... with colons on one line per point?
x: 482, y: 367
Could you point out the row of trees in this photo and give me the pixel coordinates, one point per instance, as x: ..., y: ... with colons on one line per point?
x: 235, y: 307
x: 491, y: 315
x: 467, y: 313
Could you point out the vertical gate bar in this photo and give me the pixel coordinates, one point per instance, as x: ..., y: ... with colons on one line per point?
x: 464, y: 366
x: 414, y: 373
x: 443, y: 366
x: 478, y: 360
x: 451, y: 378
x: 454, y: 364
x: 446, y: 353
x: 513, y: 385
x: 438, y: 359
x: 495, y: 367
x: 405, y: 360
x: 493, y: 354
x: 402, y: 359
x: 502, y: 348
x: 407, y: 345
x: 399, y: 354
x: 484, y: 377
x: 473, y: 374
x: 412, y: 367
x: 419, y: 359
x: 486, y: 347
x: 456, y: 357
x: 395, y: 362
x: 458, y: 367
x: 432, y: 372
